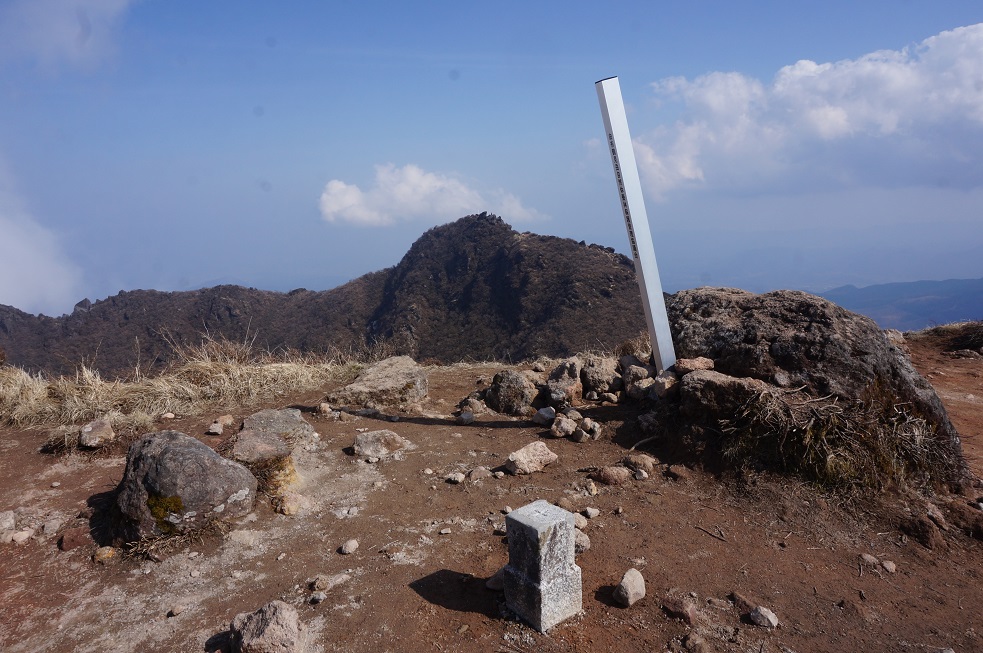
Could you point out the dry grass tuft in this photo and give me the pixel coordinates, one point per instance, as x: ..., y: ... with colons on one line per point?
x: 640, y: 347
x: 213, y: 372
x: 862, y: 445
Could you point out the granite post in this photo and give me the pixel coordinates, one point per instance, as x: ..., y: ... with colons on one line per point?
x: 542, y: 580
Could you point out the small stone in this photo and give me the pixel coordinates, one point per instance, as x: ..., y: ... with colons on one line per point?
x: 869, y: 560
x: 176, y: 609
x: 591, y: 513
x: 428, y: 471
x: 631, y: 589
x: 97, y: 433
x: 445, y: 531
x: 479, y: 473
x: 681, y: 607
x: 195, y: 573
x: 563, y: 427
x: 762, y: 616
x: 318, y: 597
x: 579, y: 435
x: 291, y: 503
x: 609, y: 397
x: 55, y: 484
x: 215, y: 428
x: 167, y: 416
x: 640, y: 475
x: 545, y: 416
x: 531, y: 458
x: 889, y: 566
x: 51, y: 527
x: 8, y: 520
x: 73, y: 538
x: 567, y: 504
x: 349, y: 547
x: 455, y: 478
x: 104, y: 555
x: 324, y: 583
x: 581, y: 542
x: 573, y: 414
x: 21, y: 537
x: 579, y: 521
x: 613, y: 475
x: 465, y: 418
x: 619, y: 510
x: 693, y: 642
x: 498, y: 473
x: 506, y: 510
x: 324, y: 408
x: 274, y: 627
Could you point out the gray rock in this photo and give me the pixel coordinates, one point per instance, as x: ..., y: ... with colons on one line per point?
x: 664, y: 385
x: 631, y: 589
x: 708, y: 393
x: 579, y: 435
x: 256, y: 447
x: 455, y: 478
x: 287, y: 423
x: 511, y: 393
x: 591, y: 428
x: 215, y: 428
x: 349, y: 547
x: 325, y: 583
x: 613, y: 475
x: 563, y: 427
x: 21, y: 537
x: 545, y: 416
x: 173, y: 483
x: 397, y: 382
x: 531, y: 458
x: 564, y: 384
x: 97, y: 433
x: 640, y: 388
x: 382, y: 444
x: 8, y: 520
x: 479, y: 473
x: 274, y: 628
x: 465, y: 418
x: 610, y: 397
x: 579, y: 521
x: 600, y: 374
x: 591, y: 513
x: 640, y: 461
x: 762, y: 616
x: 318, y: 597
x: 889, y: 566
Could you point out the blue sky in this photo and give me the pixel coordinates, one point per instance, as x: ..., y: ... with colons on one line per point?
x: 175, y: 145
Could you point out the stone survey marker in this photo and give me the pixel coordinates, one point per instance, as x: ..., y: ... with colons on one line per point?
x: 542, y: 581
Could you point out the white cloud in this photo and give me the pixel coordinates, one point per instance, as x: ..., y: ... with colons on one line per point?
x: 889, y: 118
x: 410, y: 193
x: 77, y: 32
x: 35, y: 274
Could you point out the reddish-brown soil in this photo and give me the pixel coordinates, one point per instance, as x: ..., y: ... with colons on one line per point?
x: 779, y: 543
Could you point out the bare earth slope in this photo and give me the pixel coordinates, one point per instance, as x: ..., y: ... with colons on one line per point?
x: 411, y: 588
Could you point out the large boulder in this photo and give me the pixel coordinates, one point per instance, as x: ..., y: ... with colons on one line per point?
x: 600, y: 374
x: 801, y: 385
x: 395, y: 382
x: 173, y: 483
x: 793, y: 339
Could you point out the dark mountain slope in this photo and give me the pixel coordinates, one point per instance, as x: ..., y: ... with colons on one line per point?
x: 472, y: 289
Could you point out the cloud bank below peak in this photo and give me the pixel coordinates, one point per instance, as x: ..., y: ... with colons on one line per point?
x: 891, y: 118
x: 411, y: 194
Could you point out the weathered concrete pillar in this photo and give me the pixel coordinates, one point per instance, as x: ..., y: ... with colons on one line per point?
x: 542, y: 580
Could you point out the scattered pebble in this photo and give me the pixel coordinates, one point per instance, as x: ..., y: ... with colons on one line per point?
x: 889, y: 566
x: 104, y: 555
x: 56, y: 484
x: 167, y: 416
x: 281, y: 557
x: 445, y: 531
x: 21, y: 537
x: 498, y: 474
x: 619, y: 510
x: 631, y: 589
x: 428, y: 471
x: 195, y: 573
x: 318, y: 597
x: 455, y: 478
x: 762, y: 616
x: 506, y: 510
x: 176, y: 609
x: 591, y: 513
x: 579, y: 521
x: 349, y: 547
x: 581, y: 542
x: 869, y: 560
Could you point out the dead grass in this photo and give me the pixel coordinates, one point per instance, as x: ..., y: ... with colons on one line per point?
x: 865, y: 445
x: 957, y: 335
x: 211, y: 373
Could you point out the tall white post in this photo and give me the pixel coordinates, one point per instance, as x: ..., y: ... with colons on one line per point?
x: 636, y: 220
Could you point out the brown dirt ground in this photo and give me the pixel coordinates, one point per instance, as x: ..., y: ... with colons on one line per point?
x: 779, y: 542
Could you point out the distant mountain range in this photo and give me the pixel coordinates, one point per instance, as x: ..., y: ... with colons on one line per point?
x: 470, y: 290
x: 474, y: 289
x: 914, y: 305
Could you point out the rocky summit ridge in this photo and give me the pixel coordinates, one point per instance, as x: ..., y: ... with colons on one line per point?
x: 474, y: 289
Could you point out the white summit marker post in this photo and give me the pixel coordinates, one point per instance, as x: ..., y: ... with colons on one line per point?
x: 636, y: 220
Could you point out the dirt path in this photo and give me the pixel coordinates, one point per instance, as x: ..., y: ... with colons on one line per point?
x: 411, y: 588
